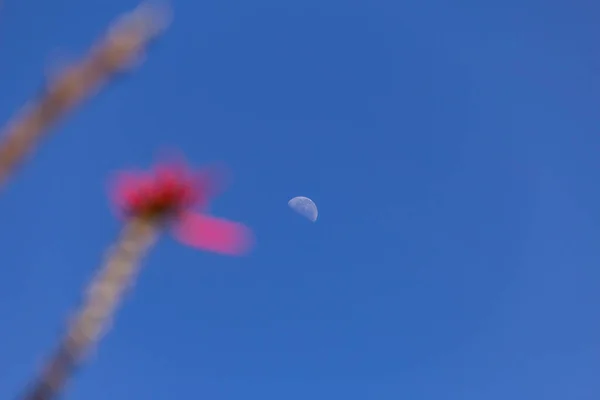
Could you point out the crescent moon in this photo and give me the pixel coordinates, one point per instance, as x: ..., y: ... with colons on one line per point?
x: 305, y: 207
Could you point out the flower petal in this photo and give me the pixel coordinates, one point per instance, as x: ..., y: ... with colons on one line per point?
x: 124, y: 186
x: 213, y: 234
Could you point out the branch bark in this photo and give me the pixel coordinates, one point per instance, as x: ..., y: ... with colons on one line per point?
x: 124, y: 43
x: 101, y: 301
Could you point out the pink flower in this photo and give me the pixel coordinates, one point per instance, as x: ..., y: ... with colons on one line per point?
x: 168, y: 194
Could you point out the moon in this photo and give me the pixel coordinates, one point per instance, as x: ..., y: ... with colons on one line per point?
x: 305, y: 207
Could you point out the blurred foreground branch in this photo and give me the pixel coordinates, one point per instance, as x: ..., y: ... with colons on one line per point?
x: 125, y: 41
x: 102, y: 300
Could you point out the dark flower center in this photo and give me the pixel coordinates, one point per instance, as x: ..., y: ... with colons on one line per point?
x: 164, y: 196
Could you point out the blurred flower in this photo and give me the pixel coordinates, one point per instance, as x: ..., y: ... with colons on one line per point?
x: 168, y: 195
x: 149, y: 202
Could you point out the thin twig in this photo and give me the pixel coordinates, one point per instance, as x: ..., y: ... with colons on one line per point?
x: 102, y: 300
x: 126, y: 40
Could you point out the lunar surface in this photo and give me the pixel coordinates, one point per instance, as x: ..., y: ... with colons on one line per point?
x: 305, y: 207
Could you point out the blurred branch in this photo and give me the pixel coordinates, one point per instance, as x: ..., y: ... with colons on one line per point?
x: 101, y: 302
x: 124, y: 43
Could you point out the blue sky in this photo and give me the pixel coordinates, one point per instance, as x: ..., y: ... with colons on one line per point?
x: 452, y: 149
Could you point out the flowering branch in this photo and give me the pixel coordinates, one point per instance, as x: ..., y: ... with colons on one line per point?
x: 150, y: 202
